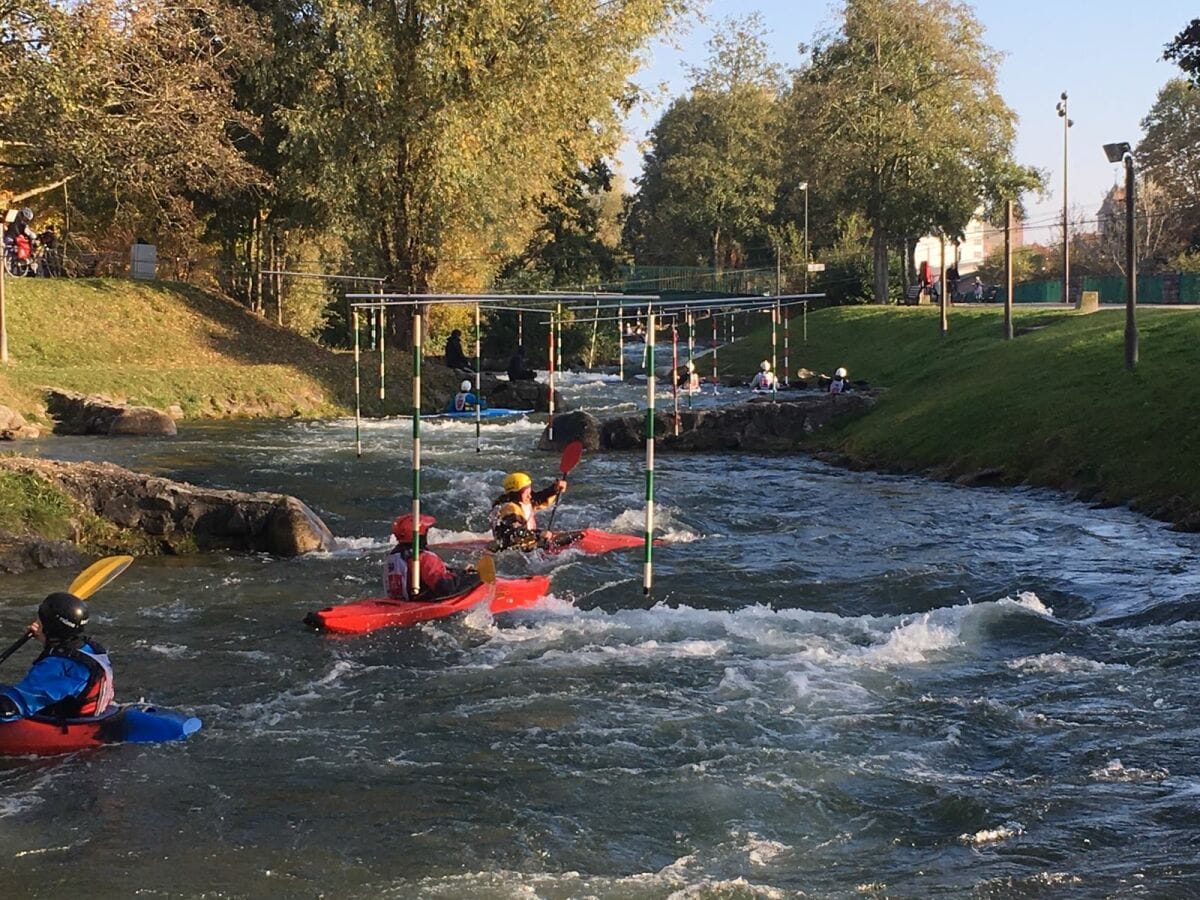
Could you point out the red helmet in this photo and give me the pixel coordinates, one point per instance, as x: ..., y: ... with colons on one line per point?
x: 402, y: 528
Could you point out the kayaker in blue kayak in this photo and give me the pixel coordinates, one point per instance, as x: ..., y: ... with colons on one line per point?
x: 72, y: 676
x: 437, y: 579
x: 465, y: 399
x: 514, y: 523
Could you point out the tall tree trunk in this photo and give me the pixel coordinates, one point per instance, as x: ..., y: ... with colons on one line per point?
x: 879, y: 246
x: 716, y: 255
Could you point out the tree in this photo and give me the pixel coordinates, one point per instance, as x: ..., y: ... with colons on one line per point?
x: 1184, y: 50
x: 1169, y: 155
x: 709, y: 178
x: 896, y: 115
x: 1153, y: 245
x: 432, y: 127
x: 133, y: 102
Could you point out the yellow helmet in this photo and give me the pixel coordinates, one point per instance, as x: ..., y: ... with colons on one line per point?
x: 516, y: 481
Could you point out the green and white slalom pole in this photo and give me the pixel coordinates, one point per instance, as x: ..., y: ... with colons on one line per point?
x: 357, y: 386
x: 647, y: 565
x: 774, y: 344
x: 558, y: 336
x: 478, y: 377
x: 621, y: 340
x: 414, y: 577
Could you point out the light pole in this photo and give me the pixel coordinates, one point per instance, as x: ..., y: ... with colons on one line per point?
x: 1122, y: 152
x: 804, y: 187
x: 1066, y: 277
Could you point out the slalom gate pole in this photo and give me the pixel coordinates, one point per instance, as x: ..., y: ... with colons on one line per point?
x: 414, y: 579
x: 787, y: 366
x: 478, y: 377
x: 558, y: 336
x: 357, y: 387
x: 716, y: 340
x: 691, y: 327
x: 621, y: 340
x: 675, y: 372
x: 550, y: 364
x: 382, y: 344
x: 648, y: 562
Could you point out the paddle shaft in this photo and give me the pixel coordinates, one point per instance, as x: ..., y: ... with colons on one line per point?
x: 570, y: 459
x: 17, y: 645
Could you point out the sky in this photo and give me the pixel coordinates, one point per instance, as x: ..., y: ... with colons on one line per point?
x: 1105, y: 54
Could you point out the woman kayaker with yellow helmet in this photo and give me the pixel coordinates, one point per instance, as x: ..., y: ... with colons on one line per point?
x: 513, y: 519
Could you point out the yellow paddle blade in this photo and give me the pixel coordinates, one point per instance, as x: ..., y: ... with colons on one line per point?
x: 98, y: 574
x: 487, y: 569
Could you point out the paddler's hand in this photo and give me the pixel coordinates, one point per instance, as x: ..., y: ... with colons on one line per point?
x: 560, y: 486
x: 35, y: 630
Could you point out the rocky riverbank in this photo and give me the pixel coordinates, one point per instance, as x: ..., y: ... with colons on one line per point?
x: 120, y: 509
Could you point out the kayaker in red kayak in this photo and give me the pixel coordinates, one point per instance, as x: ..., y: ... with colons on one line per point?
x: 72, y: 676
x: 513, y: 519
x: 437, y: 579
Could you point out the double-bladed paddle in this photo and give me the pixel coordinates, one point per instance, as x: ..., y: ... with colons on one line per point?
x: 90, y: 580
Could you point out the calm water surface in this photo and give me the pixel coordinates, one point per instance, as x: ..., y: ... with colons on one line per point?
x: 844, y: 685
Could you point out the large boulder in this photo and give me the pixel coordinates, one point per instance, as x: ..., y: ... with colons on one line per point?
x: 573, y: 426
x: 81, y: 414
x: 524, y: 395
x: 14, y: 427
x: 178, y: 517
x: 763, y: 424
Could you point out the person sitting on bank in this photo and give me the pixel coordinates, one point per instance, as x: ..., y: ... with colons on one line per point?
x: 839, y: 384
x: 518, y: 368
x: 72, y: 677
x: 764, y: 378
x: 513, y: 515
x: 692, y: 381
x: 437, y: 579
x: 465, y: 400
x: 454, y: 357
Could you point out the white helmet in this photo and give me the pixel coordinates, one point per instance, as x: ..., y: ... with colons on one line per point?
x: 765, y: 365
x: 465, y: 386
x: 691, y: 366
x: 840, y: 373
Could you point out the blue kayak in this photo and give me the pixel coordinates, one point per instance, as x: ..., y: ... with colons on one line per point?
x: 134, y: 724
x: 496, y: 412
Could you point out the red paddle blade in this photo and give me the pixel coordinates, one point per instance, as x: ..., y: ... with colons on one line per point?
x: 571, y: 455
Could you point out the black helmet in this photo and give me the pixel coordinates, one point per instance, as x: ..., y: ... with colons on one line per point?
x: 63, y: 616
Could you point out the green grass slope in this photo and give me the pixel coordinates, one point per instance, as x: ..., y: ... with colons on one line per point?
x: 1054, y: 407
x: 164, y: 343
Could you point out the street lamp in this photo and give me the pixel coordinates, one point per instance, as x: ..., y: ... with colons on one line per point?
x: 1066, y: 277
x: 804, y: 187
x: 1122, y: 152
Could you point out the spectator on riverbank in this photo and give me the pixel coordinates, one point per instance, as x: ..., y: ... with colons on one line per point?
x: 455, y: 358
x: 764, y: 378
x: 518, y: 368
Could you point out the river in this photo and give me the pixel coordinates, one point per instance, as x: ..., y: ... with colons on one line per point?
x: 844, y: 684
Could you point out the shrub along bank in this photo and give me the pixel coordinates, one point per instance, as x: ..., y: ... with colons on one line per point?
x: 1054, y: 407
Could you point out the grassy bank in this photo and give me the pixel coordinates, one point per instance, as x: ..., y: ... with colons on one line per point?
x: 160, y: 344
x: 1054, y: 407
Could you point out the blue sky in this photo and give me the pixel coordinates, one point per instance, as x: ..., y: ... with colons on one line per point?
x: 1105, y: 54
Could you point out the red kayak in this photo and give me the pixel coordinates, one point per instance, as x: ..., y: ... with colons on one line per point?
x: 367, y: 615
x: 590, y: 540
